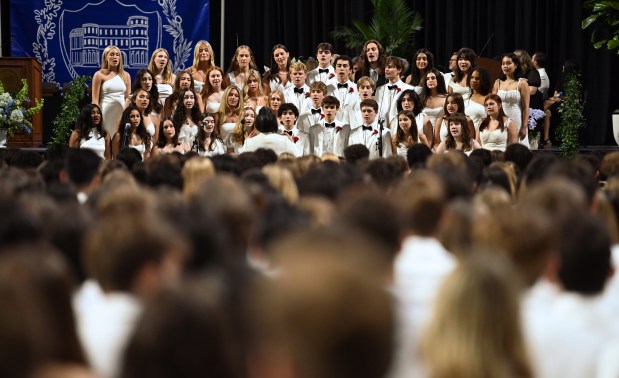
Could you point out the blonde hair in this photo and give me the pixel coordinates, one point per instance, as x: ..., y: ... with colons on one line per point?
x: 196, y: 55
x: 166, y: 75
x: 298, y: 66
x: 475, y: 330
x: 224, y: 108
x: 239, y: 130
x: 282, y: 180
x: 255, y: 74
x: 120, y: 70
x: 196, y: 171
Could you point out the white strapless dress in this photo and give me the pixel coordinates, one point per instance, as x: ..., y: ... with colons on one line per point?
x: 212, y: 107
x: 188, y: 134
x: 457, y: 88
x: 495, y: 140
x: 165, y: 90
x: 198, y: 86
x: 150, y: 128
x: 433, y: 114
x: 218, y: 148
x: 511, y: 107
x: 226, y: 129
x: 112, y: 102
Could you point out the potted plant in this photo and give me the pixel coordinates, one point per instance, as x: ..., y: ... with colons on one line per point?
x: 393, y: 23
x: 14, y: 116
x: 572, y: 118
x: 72, y: 102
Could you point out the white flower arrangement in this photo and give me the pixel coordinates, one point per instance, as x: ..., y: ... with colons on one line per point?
x: 534, y: 128
x: 13, y: 115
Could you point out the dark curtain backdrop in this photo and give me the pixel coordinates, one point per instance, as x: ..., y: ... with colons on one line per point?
x: 552, y: 26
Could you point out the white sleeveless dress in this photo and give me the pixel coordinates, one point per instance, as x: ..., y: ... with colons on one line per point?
x: 188, y: 134
x: 198, y: 86
x: 226, y: 129
x: 512, y: 109
x: 232, y: 79
x: 476, y: 111
x: 212, y: 107
x: 218, y: 148
x: 95, y: 143
x: 433, y: 114
x: 495, y: 140
x: 112, y: 102
x: 444, y: 130
x: 457, y: 88
x: 150, y: 128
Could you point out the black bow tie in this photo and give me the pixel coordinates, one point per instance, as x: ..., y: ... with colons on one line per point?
x: 391, y: 87
x: 288, y: 132
x: 368, y: 128
x: 315, y: 111
x: 329, y: 124
x: 323, y: 70
x: 298, y: 90
x: 345, y: 85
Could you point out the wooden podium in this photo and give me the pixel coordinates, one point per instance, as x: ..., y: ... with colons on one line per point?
x: 12, y: 70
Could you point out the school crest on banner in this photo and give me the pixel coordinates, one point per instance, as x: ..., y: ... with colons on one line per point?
x: 69, y: 37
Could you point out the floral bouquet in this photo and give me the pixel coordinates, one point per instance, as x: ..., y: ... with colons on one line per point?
x: 534, y: 116
x: 13, y: 115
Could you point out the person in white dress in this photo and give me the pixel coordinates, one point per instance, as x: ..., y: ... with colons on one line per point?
x: 132, y: 133
x: 230, y: 111
x: 481, y: 86
x: 144, y: 79
x: 514, y: 92
x: 110, y: 87
x: 203, y: 62
x: 184, y: 81
x: 168, y: 140
x: 209, y: 143
x: 454, y: 103
x: 407, y: 133
x: 497, y: 131
x: 409, y: 100
x: 467, y: 60
x: 212, y: 92
x: 245, y: 129
x: 275, y: 99
x: 458, y: 137
x: 277, y: 76
x: 90, y: 133
x: 252, y: 92
x: 164, y: 77
x: 240, y: 65
x: 186, y: 117
x: 423, y: 61
x: 141, y: 99
x: 433, y: 95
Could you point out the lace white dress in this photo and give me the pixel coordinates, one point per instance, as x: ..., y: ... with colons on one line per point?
x: 495, y: 140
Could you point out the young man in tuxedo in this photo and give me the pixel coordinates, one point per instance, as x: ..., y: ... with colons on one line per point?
x: 368, y: 133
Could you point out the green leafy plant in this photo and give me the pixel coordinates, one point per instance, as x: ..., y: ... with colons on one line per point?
x: 64, y: 123
x: 393, y: 24
x: 14, y: 116
x: 604, y: 16
x: 572, y: 118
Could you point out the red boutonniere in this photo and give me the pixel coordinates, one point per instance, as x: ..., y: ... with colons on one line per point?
x: 322, y: 116
x: 331, y: 75
x: 375, y: 132
x: 307, y: 95
x: 295, y: 139
x: 351, y: 90
x: 338, y: 129
x: 397, y: 89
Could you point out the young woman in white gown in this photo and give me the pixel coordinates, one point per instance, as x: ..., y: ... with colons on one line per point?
x: 497, y: 130
x: 467, y: 60
x: 186, y: 117
x: 238, y: 72
x: 514, y: 92
x: 454, y: 103
x: 110, y: 87
x: 458, y: 137
x: 212, y: 90
x: 203, y: 61
x: 168, y: 139
x: 135, y: 136
x: 209, y: 142
x: 433, y: 94
x: 164, y: 77
x: 141, y: 99
x: 481, y: 86
x: 89, y: 132
x: 245, y: 129
x: 230, y: 111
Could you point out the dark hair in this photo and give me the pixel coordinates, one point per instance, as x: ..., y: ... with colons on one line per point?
x: 266, y: 121
x: 364, y: 66
x: 84, y: 122
x: 140, y: 130
x: 271, y: 74
x: 356, y: 153
x: 202, y: 134
x: 520, y: 155
x: 415, y: 97
x: 331, y: 100
x: 324, y: 46
x: 82, y: 165
x: 342, y: 57
x: 234, y: 64
x: 417, y: 155
x: 161, y: 142
x: 540, y: 58
x: 467, y: 54
x: 396, y: 61
x: 585, y: 254
x: 518, y: 73
x: 450, y: 141
x: 440, y: 85
x: 154, y: 92
x: 369, y: 102
x: 416, y: 74
x: 457, y: 97
x: 179, y: 117
x: 485, y: 82
x: 133, y: 96
x: 400, y: 136
x: 288, y: 106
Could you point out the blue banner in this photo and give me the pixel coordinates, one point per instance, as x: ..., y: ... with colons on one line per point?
x: 68, y: 37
